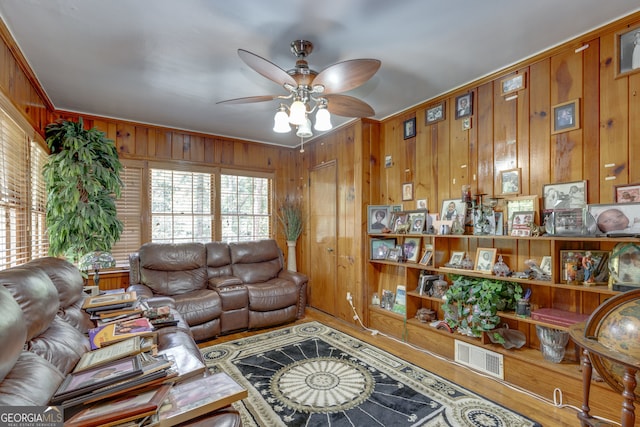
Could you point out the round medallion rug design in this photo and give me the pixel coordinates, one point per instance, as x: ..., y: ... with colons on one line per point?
x: 312, y: 375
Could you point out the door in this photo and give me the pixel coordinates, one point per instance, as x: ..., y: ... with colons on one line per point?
x: 322, y: 237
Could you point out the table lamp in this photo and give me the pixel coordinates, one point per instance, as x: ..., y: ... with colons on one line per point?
x: 95, y: 261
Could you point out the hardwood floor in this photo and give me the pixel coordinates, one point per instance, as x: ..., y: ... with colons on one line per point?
x: 545, y: 413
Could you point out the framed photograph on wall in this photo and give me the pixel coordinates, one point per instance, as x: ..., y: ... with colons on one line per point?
x: 407, y: 191
x: 513, y: 83
x: 464, y: 105
x: 565, y: 195
x: 485, y: 259
x: 378, y: 217
x: 409, y: 128
x: 619, y: 218
x: 627, y: 51
x: 566, y: 116
x: 511, y: 181
x: 627, y: 193
x: 435, y: 114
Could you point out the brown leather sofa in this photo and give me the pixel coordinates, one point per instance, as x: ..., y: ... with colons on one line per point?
x: 219, y: 287
x: 43, y: 333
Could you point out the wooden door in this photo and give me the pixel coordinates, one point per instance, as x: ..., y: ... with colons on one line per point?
x: 322, y: 237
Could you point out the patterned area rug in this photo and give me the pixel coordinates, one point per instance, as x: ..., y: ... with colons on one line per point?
x: 313, y: 375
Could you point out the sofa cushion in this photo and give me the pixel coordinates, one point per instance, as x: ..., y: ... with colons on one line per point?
x: 198, y: 306
x: 173, y: 269
x: 255, y: 262
x: 61, y: 344
x: 65, y: 277
x: 36, y: 295
x: 218, y: 259
x: 13, y: 331
x: 31, y: 382
x: 272, y: 295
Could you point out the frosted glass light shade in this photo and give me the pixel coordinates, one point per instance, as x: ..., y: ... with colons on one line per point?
x: 323, y: 120
x: 297, y: 113
x: 304, y: 130
x: 281, y: 122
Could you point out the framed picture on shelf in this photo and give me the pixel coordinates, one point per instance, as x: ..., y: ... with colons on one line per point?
x: 511, y: 181
x: 565, y: 195
x: 378, y: 217
x: 567, y: 222
x: 464, y: 105
x: 411, y: 248
x: 627, y: 193
x: 418, y: 221
x: 456, y: 258
x: 380, y: 247
x: 409, y: 128
x: 627, y: 44
x: 566, y: 116
x: 485, y: 259
x: 513, y: 84
x: 625, y: 266
x: 520, y: 204
x: 426, y: 257
x: 521, y: 223
x: 435, y: 114
x: 395, y: 254
x: 452, y: 208
x: 545, y: 264
x: 620, y: 218
x: 399, y: 222
x: 571, y: 269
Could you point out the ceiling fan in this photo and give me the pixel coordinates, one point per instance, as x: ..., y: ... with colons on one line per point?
x: 311, y: 90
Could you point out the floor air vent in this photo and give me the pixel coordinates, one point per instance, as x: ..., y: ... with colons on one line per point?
x: 480, y: 359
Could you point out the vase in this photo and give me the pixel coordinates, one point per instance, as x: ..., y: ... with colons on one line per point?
x: 291, y: 256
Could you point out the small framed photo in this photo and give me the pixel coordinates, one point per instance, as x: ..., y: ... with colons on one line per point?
x: 511, y: 181
x: 520, y: 204
x: 621, y: 218
x: 407, y: 191
x: 466, y: 123
x: 378, y: 218
x: 513, y: 84
x: 435, y: 114
x: 395, y: 254
x: 571, y: 269
x: 627, y: 46
x: 627, y: 193
x: 565, y: 195
x: 452, y: 208
x: 409, y: 128
x: 521, y: 223
x: 464, y: 105
x: 566, y: 116
x: 545, y: 264
x: 421, y: 204
x: 625, y: 266
x: 380, y: 247
x: 417, y: 221
x: 411, y: 248
x: 426, y: 257
x: 568, y: 222
x: 456, y: 258
x: 388, y: 161
x: 485, y: 259
x: 399, y: 222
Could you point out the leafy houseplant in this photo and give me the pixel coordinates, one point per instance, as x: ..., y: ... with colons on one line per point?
x: 472, y: 303
x: 290, y: 217
x: 82, y: 178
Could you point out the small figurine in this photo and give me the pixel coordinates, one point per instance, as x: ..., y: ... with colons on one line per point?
x: 588, y: 266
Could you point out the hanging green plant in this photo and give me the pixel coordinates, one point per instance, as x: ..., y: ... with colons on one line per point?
x: 82, y: 179
x: 472, y: 303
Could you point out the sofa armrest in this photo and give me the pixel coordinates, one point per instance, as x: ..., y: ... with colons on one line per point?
x: 142, y: 291
x: 223, y: 282
x: 298, y: 278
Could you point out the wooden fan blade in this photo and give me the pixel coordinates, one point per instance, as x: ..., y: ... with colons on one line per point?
x: 249, y: 99
x: 267, y: 68
x: 348, y: 106
x: 346, y: 75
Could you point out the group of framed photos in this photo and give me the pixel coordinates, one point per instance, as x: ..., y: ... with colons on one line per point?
x: 409, y: 250
x: 485, y: 259
x: 390, y: 219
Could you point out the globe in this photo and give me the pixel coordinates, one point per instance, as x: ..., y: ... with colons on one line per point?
x: 618, y: 329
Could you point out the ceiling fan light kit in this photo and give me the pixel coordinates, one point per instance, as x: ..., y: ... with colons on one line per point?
x: 311, y: 91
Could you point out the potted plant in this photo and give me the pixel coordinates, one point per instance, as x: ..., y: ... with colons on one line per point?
x: 472, y: 303
x: 290, y: 217
x: 82, y: 179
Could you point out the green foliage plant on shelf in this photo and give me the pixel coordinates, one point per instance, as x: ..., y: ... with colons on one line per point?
x: 82, y: 179
x: 472, y: 303
x: 290, y: 215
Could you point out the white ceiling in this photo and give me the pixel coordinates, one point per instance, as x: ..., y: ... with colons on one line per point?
x: 168, y: 62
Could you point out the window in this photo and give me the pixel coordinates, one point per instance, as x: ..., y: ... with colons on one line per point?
x: 181, y: 206
x: 14, y: 203
x: 129, y: 211
x: 245, y: 207
x: 39, y: 240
